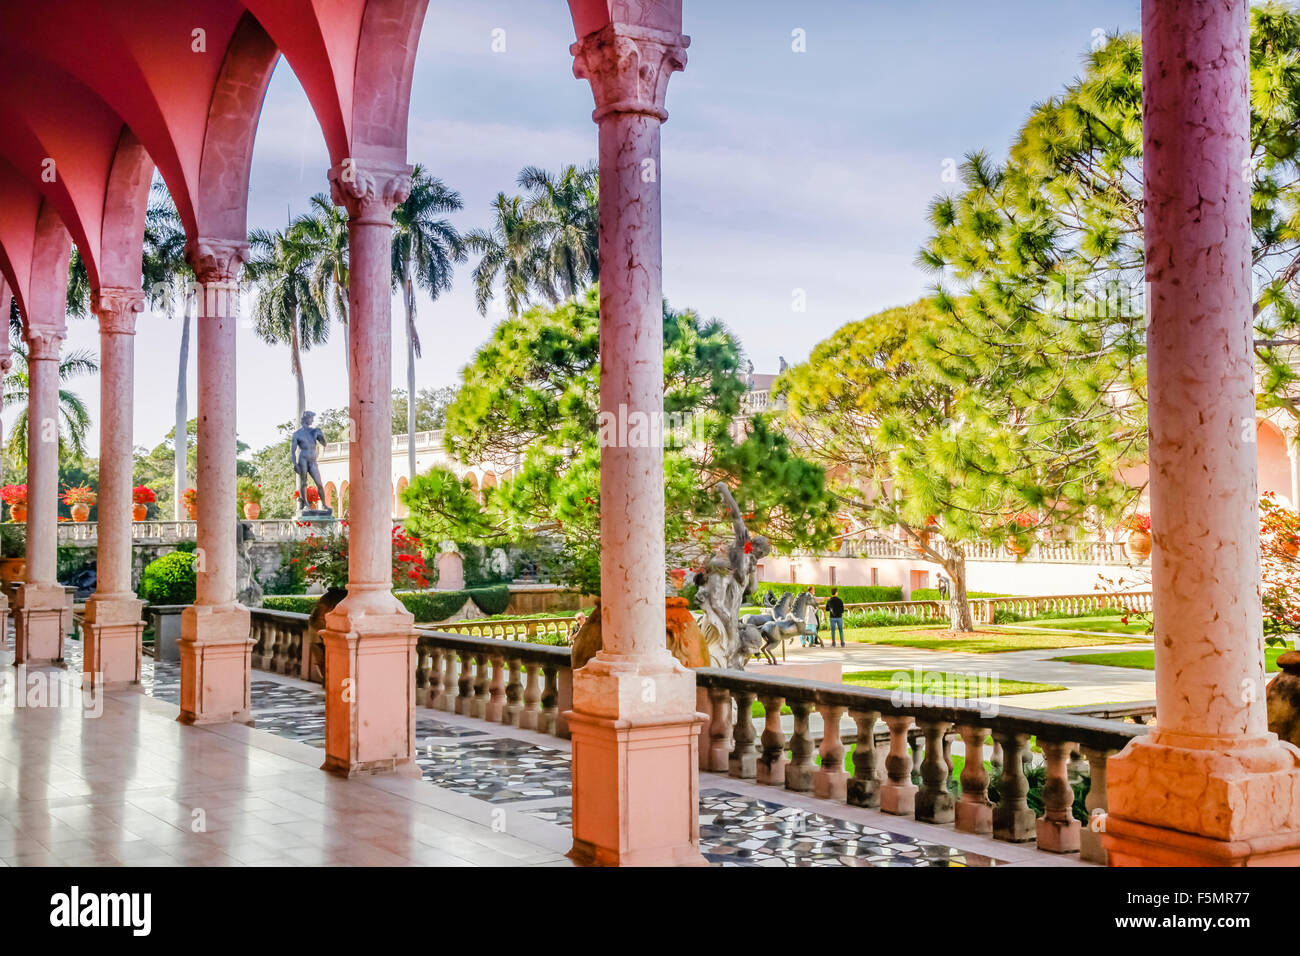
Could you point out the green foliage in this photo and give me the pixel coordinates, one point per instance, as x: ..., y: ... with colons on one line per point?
x: 532, y: 393
x: 289, y: 577
x: 932, y: 594
x: 849, y: 593
x: 854, y: 619
x: 13, y: 540
x: 169, y: 579
x: 71, y: 560
x: 1037, y: 777
x: 427, y: 606
x: 296, y: 603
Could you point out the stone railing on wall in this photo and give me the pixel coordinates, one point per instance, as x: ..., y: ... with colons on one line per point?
x: 1043, y: 552
x: 906, y: 769
x: 85, y: 533
x: 984, y: 610
x: 926, y: 609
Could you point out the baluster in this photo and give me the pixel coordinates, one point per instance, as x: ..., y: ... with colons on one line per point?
x: 549, y: 722
x: 421, y: 674
x: 934, y: 801
x: 719, y: 730
x: 1058, y: 830
x: 772, y: 762
x: 799, y: 772
x: 447, y: 699
x: 1013, y: 821
x: 465, y: 685
x: 863, y: 788
x: 514, y: 694
x: 831, y: 781
x: 1076, y: 766
x: 743, y: 761
x: 496, y: 702
x: 917, y: 740
x: 1090, y: 847
x: 898, y: 793
x: 974, y: 812
x: 532, y: 712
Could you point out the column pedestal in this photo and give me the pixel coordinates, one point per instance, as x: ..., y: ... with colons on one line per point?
x: 216, y: 649
x: 111, y: 634
x: 1184, y: 800
x: 635, y: 779
x: 370, y: 691
x: 42, y: 615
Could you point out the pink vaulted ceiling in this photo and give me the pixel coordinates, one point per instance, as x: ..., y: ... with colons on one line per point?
x: 592, y: 15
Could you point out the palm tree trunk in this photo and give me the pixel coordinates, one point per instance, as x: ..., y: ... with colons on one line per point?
x: 409, y: 300
x: 297, y: 366
x: 181, y: 442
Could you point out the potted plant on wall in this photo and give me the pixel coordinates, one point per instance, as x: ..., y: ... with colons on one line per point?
x: 13, y: 552
x: 250, y: 498
x: 15, y: 496
x: 79, y: 500
x: 142, y: 496
x: 190, y: 499
x: 1138, y: 542
x: 1018, y: 527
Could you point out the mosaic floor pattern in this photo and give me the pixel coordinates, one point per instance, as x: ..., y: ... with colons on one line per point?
x: 742, y: 831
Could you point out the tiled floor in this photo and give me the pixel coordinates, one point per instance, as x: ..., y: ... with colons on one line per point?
x: 134, y: 787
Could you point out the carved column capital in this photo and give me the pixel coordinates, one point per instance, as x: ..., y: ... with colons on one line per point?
x: 43, y: 342
x: 216, y: 261
x: 117, y: 309
x: 6, y: 361
x: 369, y: 189
x: 629, y: 67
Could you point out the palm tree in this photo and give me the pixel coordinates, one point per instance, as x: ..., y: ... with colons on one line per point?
x: 166, y: 277
x: 74, y: 418
x: 510, y: 251
x: 286, y: 311
x: 425, y: 247
x: 565, y: 209
x: 324, y: 231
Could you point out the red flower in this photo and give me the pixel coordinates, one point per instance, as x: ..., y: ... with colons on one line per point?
x: 749, y: 547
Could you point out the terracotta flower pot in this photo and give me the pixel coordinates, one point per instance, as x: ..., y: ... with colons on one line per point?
x: 80, y: 512
x: 1138, y: 544
x: 139, y: 512
x: 18, y: 513
x: 252, y: 509
x: 1290, y: 548
x: 12, y: 569
x: 192, y: 511
x: 919, y: 547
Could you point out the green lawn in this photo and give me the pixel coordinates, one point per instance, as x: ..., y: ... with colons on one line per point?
x: 1091, y: 624
x: 1146, y: 660
x: 959, y: 686
x: 979, y: 642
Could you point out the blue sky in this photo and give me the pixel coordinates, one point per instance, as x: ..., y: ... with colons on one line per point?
x: 781, y: 170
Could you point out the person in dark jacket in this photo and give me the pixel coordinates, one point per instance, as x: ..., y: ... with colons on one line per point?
x: 835, y: 611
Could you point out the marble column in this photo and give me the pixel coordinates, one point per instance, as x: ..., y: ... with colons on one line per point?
x: 215, y: 643
x: 634, y: 723
x: 6, y: 365
x: 1209, y: 784
x: 112, y: 627
x: 42, y: 609
x: 370, y: 637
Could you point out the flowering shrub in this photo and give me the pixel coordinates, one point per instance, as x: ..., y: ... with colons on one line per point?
x: 143, y: 495
x: 1279, y: 543
x: 81, y: 495
x: 313, y: 496
x: 190, y: 497
x: 14, y: 495
x: 1138, y: 522
x: 323, y: 559
x: 250, y: 492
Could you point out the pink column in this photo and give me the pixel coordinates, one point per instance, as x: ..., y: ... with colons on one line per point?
x: 112, y: 626
x: 370, y: 637
x: 6, y: 365
x: 634, y: 722
x: 42, y: 609
x: 1210, y: 784
x: 215, y: 646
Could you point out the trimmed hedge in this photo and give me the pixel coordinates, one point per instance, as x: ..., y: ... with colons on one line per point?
x: 849, y: 594
x: 169, y: 579
x: 427, y: 606
x: 932, y: 594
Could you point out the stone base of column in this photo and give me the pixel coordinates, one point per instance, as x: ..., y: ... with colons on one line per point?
x: 974, y: 818
x: 111, y: 641
x: 1058, y: 836
x: 370, y: 690
x: 771, y: 773
x: 636, y: 739
x: 862, y: 793
x: 934, y: 807
x: 898, y: 799
x: 831, y: 785
x: 216, y: 664
x: 42, y: 615
x: 1015, y: 826
x: 1189, y: 800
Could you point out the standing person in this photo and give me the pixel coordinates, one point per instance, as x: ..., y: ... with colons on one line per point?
x: 811, y: 619
x: 835, y: 611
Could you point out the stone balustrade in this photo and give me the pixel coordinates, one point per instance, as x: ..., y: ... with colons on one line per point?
x: 905, y: 770
x: 928, y: 609
x: 85, y: 533
x: 1107, y: 553
x: 519, y: 629
x: 984, y: 610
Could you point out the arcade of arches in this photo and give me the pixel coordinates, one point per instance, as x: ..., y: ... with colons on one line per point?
x: 104, y: 93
